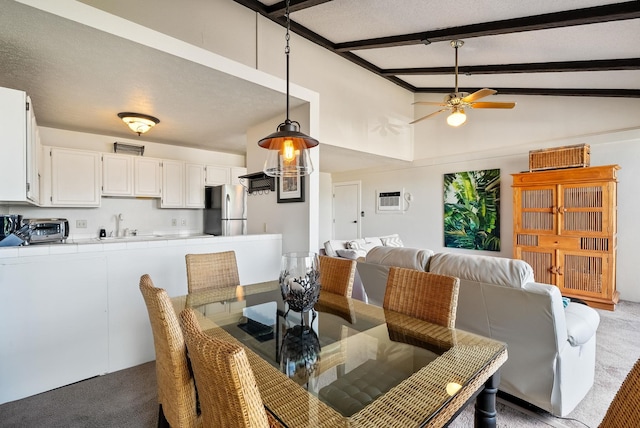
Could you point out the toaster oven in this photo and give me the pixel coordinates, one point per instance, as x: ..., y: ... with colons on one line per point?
x: 42, y: 230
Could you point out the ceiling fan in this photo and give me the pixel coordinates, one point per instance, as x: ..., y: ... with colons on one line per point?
x: 456, y: 102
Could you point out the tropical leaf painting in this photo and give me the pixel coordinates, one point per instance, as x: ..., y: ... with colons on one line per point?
x: 472, y: 210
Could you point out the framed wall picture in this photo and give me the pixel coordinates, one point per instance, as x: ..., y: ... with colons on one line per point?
x: 290, y: 189
x: 472, y: 210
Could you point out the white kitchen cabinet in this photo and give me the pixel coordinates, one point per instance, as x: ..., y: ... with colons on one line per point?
x: 19, y: 172
x: 75, y: 177
x: 237, y: 171
x: 172, y: 184
x: 117, y: 175
x: 147, y: 177
x: 126, y: 175
x: 217, y: 175
x: 194, y: 185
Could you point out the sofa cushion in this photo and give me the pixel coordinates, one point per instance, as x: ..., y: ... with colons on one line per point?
x: 351, y: 254
x: 410, y: 258
x: 582, y: 323
x: 485, y: 269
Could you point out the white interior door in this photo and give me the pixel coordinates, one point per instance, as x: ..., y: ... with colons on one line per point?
x: 346, y: 210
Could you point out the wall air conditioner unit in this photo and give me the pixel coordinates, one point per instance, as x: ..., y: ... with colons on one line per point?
x: 390, y: 202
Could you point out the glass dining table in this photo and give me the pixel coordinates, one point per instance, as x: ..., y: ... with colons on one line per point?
x: 348, y: 363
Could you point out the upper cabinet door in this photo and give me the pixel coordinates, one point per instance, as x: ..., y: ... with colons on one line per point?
x: 217, y: 175
x: 75, y: 177
x: 19, y: 172
x: 194, y: 186
x: 172, y: 184
x: 117, y: 175
x: 147, y: 177
x: 237, y: 171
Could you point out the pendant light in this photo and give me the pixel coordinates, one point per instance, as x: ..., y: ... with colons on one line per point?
x: 288, y: 154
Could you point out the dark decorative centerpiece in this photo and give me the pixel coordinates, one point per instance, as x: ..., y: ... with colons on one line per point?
x: 300, y: 353
x: 299, y: 280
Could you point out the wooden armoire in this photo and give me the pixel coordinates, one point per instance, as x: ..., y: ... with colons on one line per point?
x: 564, y: 226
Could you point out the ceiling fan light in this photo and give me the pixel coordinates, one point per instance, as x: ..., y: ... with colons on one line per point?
x: 457, y: 118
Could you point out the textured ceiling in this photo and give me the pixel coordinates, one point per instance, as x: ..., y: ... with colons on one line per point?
x: 508, y: 45
x: 79, y: 78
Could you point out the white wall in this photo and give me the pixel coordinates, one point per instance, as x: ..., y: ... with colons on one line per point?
x: 421, y: 225
x: 325, y: 213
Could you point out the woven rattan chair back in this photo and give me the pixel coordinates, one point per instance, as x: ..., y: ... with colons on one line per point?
x: 424, y: 295
x: 176, y: 386
x: 624, y: 410
x: 226, y: 383
x: 212, y: 270
x: 336, y: 275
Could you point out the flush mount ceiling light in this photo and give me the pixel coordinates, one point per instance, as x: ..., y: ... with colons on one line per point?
x: 139, y: 123
x: 288, y: 147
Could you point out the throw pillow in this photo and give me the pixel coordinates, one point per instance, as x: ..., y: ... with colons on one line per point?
x: 351, y: 254
x: 356, y: 244
x: 392, y: 241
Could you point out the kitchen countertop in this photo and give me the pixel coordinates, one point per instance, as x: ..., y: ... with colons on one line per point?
x: 86, y: 245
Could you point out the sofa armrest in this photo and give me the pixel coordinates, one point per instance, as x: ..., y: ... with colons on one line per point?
x: 582, y: 323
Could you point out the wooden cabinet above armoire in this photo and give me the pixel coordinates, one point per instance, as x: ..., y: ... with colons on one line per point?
x: 564, y: 226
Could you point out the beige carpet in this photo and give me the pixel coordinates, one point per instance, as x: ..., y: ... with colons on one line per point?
x: 128, y: 398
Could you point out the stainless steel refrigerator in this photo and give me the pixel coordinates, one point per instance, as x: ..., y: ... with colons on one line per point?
x: 225, y: 210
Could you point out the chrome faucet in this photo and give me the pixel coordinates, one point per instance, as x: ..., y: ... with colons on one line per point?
x: 119, y: 220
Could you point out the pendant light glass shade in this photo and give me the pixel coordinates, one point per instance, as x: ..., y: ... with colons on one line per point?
x: 288, y: 154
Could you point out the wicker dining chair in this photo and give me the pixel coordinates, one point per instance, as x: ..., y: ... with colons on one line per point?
x: 336, y: 275
x: 229, y: 394
x: 624, y: 410
x: 424, y: 295
x: 177, y: 395
x: 212, y: 270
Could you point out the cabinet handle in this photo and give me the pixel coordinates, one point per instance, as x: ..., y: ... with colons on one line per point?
x: 559, y: 271
x: 561, y: 210
x: 553, y: 270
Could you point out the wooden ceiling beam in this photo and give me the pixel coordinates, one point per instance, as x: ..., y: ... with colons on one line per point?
x: 568, y: 92
x: 544, y: 67
x: 568, y: 18
x: 277, y: 10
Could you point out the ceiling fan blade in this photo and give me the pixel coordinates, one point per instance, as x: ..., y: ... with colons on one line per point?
x: 492, y: 105
x: 478, y: 94
x: 428, y: 116
x: 429, y: 103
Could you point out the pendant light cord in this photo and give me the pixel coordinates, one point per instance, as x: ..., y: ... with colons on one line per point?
x: 287, y: 49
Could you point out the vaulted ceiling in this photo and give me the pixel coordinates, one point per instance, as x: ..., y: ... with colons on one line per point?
x: 545, y: 47
x: 74, y: 72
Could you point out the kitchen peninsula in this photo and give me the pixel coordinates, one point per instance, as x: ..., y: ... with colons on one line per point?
x: 73, y: 311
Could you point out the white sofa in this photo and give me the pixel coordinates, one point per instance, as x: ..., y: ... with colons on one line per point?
x: 551, y: 347
x: 356, y: 249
